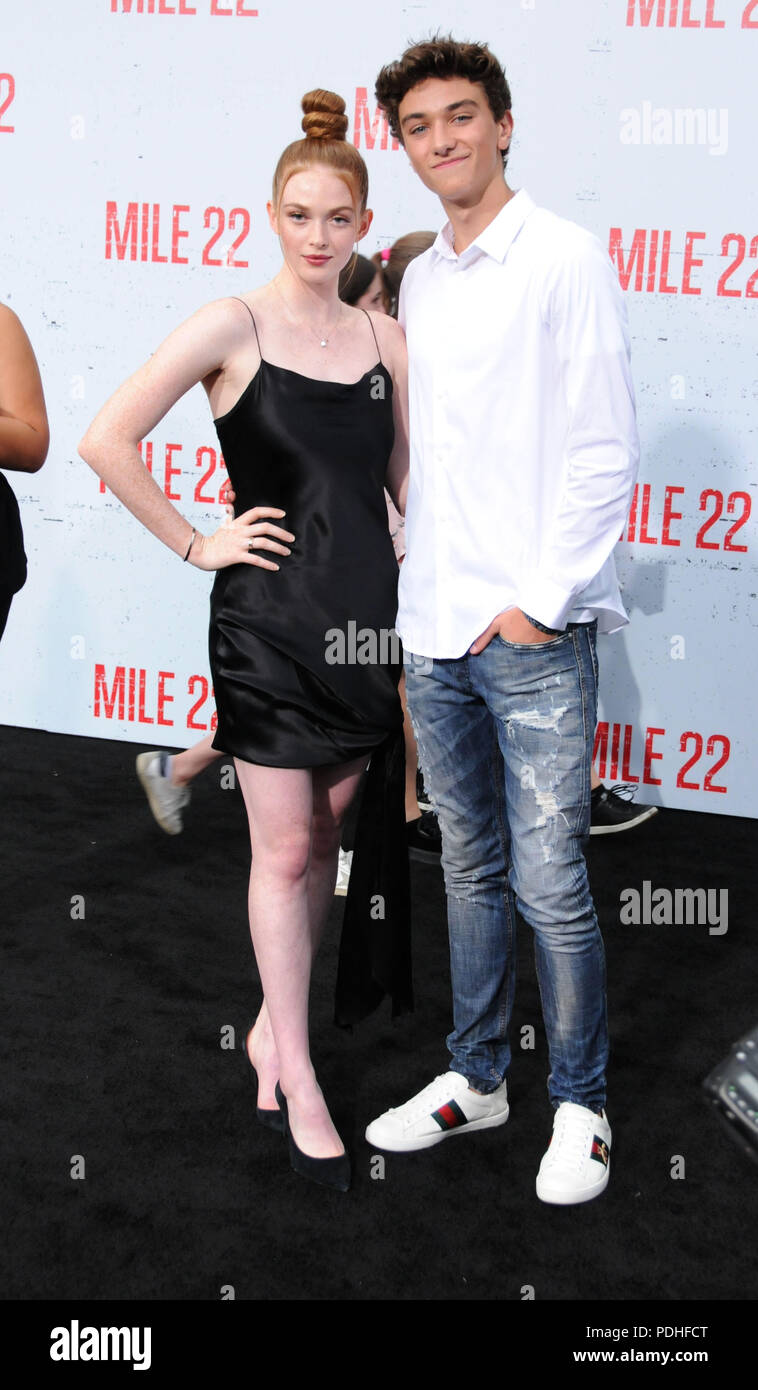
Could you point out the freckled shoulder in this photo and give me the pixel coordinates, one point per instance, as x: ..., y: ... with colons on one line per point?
x: 234, y: 309
x: 391, y: 338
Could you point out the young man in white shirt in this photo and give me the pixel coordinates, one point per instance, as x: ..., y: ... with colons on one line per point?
x: 523, y: 458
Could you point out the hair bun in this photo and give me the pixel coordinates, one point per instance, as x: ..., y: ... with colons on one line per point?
x: 324, y: 117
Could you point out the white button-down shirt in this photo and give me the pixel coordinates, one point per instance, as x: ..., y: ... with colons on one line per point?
x: 523, y: 437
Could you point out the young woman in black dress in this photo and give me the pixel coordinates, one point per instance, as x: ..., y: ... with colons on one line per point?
x: 309, y: 399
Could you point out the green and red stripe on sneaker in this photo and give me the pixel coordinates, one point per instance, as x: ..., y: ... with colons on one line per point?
x: 450, y: 1116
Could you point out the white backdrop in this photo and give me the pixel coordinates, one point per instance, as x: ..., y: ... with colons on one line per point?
x: 137, y: 143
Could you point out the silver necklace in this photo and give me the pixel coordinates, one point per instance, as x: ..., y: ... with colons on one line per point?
x: 321, y: 337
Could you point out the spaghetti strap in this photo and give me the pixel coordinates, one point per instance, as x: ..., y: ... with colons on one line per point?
x: 255, y: 326
x: 368, y: 316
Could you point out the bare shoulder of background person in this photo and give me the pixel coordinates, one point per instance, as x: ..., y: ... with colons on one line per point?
x: 24, y: 434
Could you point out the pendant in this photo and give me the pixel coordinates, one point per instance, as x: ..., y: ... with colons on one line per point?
x: 323, y: 342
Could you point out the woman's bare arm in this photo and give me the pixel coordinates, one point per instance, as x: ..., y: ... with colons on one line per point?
x: 24, y: 434
x: 195, y: 350
x: 396, y: 480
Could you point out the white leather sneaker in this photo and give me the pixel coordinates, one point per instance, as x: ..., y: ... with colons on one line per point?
x: 577, y: 1162
x: 446, y: 1106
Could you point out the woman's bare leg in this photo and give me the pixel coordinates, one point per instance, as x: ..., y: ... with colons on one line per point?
x: 294, y: 818
x: 333, y: 791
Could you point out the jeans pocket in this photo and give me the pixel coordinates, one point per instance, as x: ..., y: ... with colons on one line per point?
x: 535, y: 646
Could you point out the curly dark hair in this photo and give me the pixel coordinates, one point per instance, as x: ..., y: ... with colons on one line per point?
x: 442, y: 56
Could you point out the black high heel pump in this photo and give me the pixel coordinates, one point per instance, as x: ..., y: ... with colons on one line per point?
x: 332, y: 1172
x: 272, y: 1119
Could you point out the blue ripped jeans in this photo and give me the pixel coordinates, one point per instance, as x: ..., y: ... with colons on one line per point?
x: 505, y: 742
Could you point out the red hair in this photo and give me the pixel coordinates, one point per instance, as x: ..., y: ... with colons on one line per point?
x: 325, y: 125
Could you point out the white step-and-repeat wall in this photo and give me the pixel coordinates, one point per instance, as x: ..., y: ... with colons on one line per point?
x: 137, y: 143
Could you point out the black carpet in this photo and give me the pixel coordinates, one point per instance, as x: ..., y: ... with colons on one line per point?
x: 112, y: 1056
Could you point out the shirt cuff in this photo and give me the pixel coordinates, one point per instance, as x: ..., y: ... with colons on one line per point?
x: 549, y: 602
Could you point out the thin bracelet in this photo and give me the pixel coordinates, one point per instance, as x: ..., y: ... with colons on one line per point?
x: 192, y: 542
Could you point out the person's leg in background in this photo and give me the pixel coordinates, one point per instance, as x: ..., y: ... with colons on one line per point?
x: 165, y: 779
x: 423, y: 831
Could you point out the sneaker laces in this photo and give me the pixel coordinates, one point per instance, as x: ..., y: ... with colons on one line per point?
x: 427, y: 1101
x: 624, y: 790
x: 571, y: 1139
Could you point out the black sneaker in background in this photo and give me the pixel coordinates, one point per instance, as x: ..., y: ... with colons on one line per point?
x: 612, y: 809
x: 422, y: 795
x: 424, y: 839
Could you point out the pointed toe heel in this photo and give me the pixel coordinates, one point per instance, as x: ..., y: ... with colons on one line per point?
x: 330, y: 1172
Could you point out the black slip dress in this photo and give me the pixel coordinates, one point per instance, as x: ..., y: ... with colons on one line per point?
x: 305, y: 659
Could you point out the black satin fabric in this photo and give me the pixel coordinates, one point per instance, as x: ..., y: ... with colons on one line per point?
x: 319, y: 450
x: 375, y: 948
x: 12, y: 556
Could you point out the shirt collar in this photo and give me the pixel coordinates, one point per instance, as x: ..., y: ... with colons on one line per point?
x: 497, y: 236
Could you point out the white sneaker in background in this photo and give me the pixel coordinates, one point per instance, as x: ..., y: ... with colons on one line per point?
x: 343, y: 873
x: 165, y: 800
